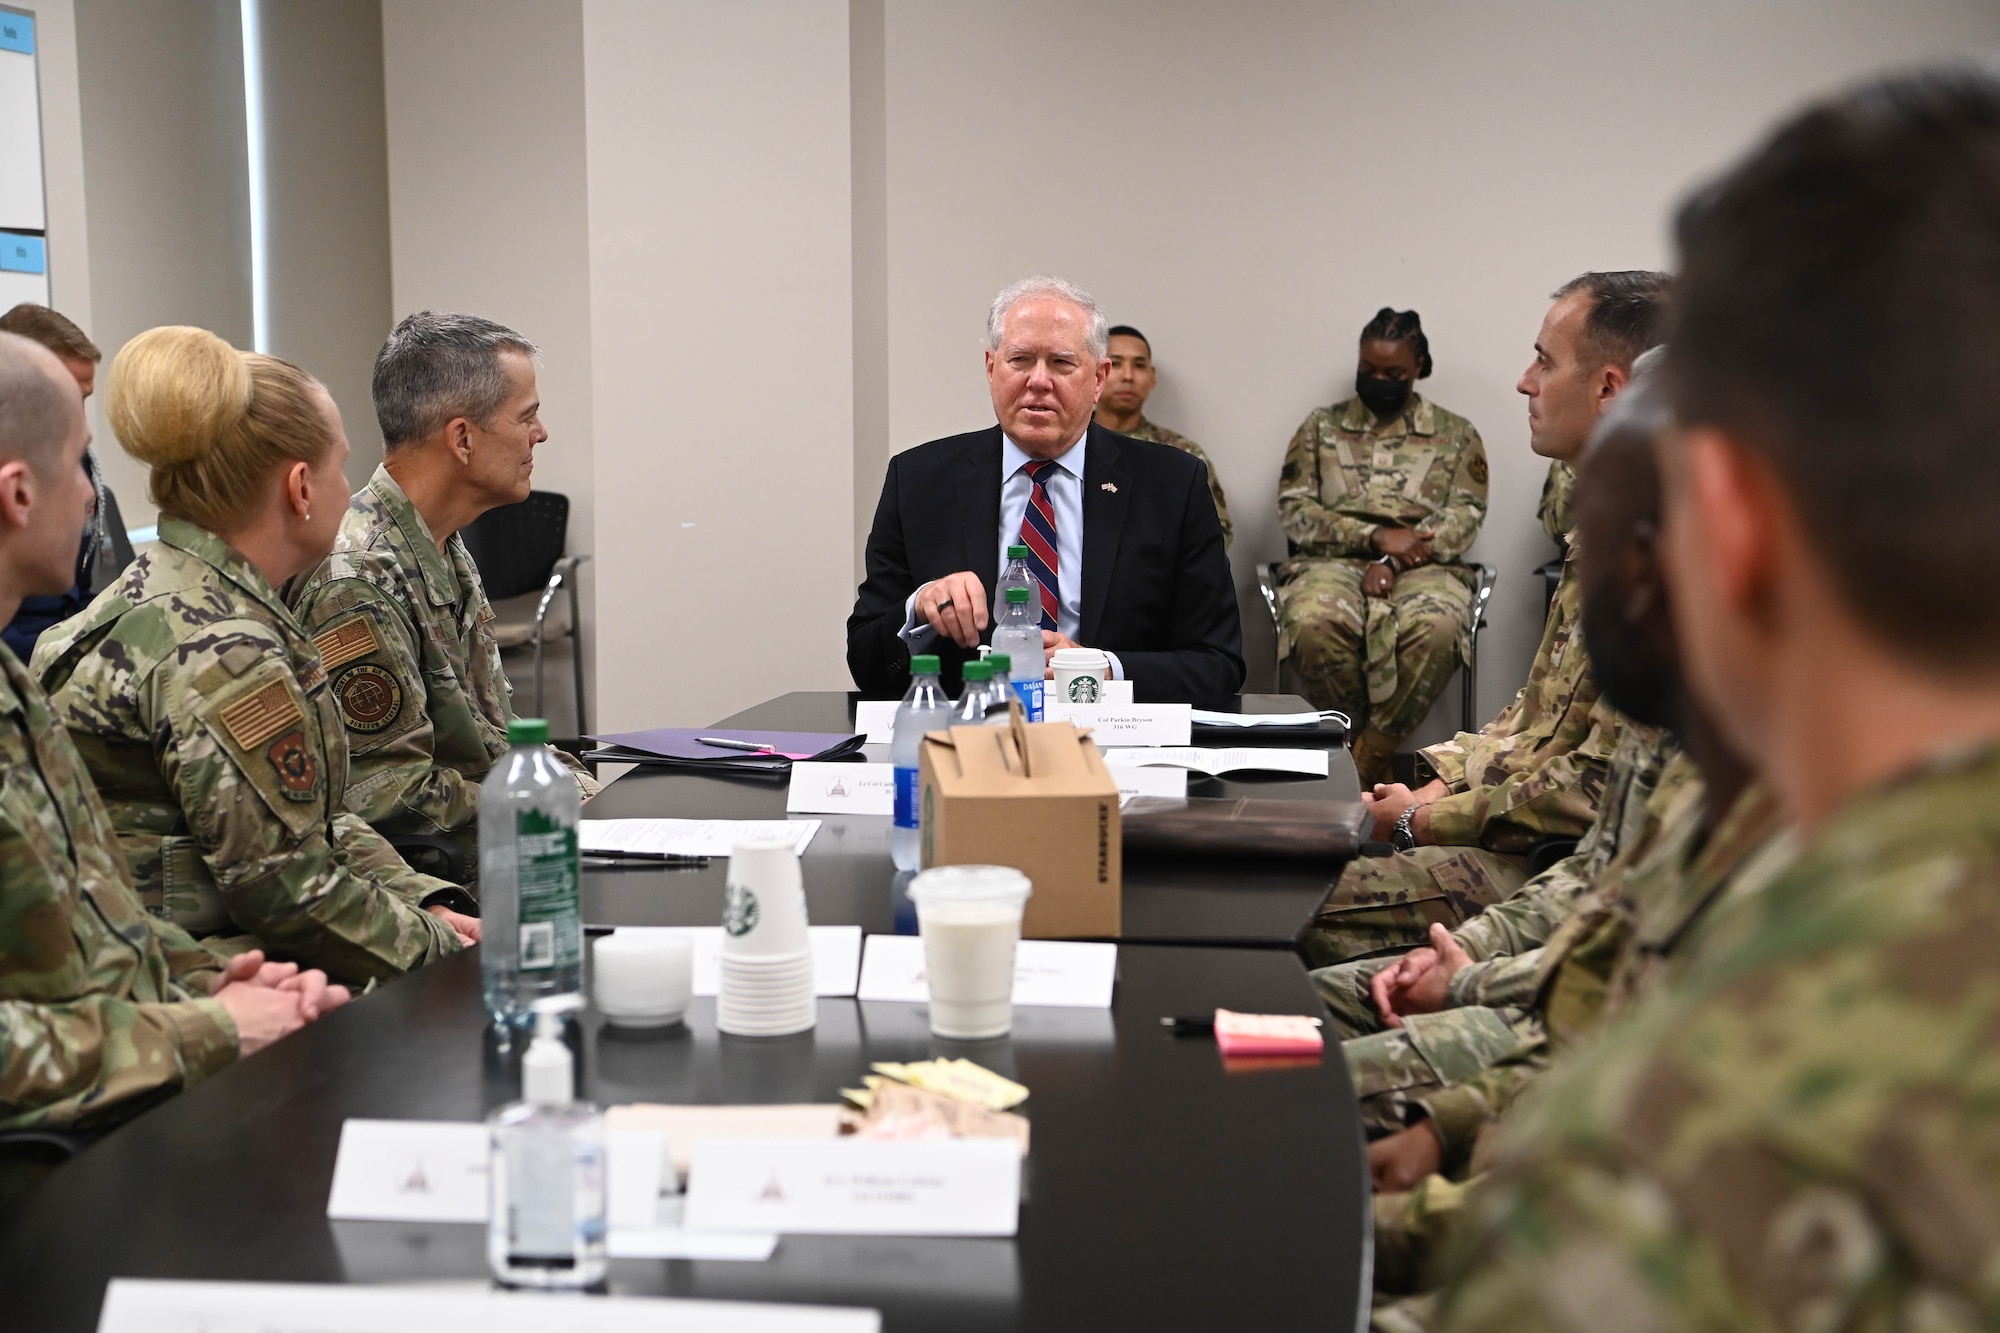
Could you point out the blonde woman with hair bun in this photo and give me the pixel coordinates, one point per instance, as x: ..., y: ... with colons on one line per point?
x: 199, y: 704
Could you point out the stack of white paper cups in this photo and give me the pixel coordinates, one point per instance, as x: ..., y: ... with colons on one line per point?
x: 767, y: 961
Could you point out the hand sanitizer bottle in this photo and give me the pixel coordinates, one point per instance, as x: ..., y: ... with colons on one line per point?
x: 545, y: 1219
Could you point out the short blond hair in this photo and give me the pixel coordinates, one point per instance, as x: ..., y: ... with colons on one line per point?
x: 214, y: 424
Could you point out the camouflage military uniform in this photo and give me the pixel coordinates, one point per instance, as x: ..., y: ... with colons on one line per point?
x: 1558, y: 500
x: 1536, y: 771
x: 1799, y: 1131
x: 1489, y: 1009
x: 201, y: 709
x: 404, y: 631
x: 1158, y: 434
x: 1383, y: 660
x: 1631, y: 934
x: 99, y: 1007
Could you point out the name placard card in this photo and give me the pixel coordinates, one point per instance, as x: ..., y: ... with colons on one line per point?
x: 849, y: 1187
x: 1057, y: 973
x: 841, y: 789
x: 1128, y: 724
x: 1137, y: 780
x: 133, y: 1305
x: 876, y: 719
x: 409, y: 1171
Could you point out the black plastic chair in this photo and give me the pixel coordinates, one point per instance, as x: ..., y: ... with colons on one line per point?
x: 519, y: 549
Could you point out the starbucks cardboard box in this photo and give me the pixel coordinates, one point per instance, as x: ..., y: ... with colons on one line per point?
x: 1036, y: 797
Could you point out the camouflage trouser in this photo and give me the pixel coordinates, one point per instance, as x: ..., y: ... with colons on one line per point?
x: 1386, y: 904
x: 1381, y: 660
x: 1411, y: 1231
x: 1428, y: 1052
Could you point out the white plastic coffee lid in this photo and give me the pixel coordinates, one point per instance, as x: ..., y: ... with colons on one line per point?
x: 1079, y: 659
x: 970, y: 884
x: 764, y: 840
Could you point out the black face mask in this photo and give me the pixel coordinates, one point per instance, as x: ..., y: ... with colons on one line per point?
x: 1383, y: 397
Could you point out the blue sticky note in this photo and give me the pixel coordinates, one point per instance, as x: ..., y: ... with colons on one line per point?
x: 17, y: 32
x: 23, y: 254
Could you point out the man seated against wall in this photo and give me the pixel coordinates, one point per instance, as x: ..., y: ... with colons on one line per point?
x: 105, y: 550
x: 1125, y: 545
x: 397, y: 610
x: 1122, y: 408
x: 1538, y: 770
x: 104, y: 1008
x: 1380, y: 496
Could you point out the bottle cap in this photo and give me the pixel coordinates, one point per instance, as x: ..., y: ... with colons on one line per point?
x: 548, y: 1071
x: 1017, y: 553
x: 923, y: 664
x: 1017, y: 594
x: 979, y: 670
x: 528, y: 731
x: 1001, y: 662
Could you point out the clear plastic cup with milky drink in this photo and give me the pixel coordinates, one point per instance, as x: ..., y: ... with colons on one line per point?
x: 970, y: 920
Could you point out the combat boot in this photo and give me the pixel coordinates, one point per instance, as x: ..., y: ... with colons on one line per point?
x: 1373, y: 757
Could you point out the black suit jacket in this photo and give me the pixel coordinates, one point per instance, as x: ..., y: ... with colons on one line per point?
x: 1156, y: 584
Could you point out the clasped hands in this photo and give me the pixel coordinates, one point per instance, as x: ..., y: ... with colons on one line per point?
x: 955, y: 606
x: 1407, y: 547
x: 1387, y: 801
x: 1417, y: 983
x: 270, y: 1000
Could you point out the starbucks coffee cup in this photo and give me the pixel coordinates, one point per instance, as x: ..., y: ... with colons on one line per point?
x: 1080, y: 674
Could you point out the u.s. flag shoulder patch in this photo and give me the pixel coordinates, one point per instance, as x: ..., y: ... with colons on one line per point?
x: 344, y: 641
x: 260, y: 715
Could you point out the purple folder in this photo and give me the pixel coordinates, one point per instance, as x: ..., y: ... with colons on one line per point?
x: 682, y: 743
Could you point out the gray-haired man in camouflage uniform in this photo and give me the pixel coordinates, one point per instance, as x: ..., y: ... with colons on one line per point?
x: 1799, y: 1131
x: 1538, y: 770
x: 397, y: 609
x: 104, y: 1007
x: 1122, y: 407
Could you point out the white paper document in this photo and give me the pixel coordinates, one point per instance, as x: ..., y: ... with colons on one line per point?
x: 1209, y: 718
x: 1127, y: 724
x: 876, y: 719
x: 134, y: 1305
x: 1060, y: 973
x: 683, y: 837
x: 836, y: 955
x: 850, y: 1187
x: 1311, y: 763
x: 436, y: 1171
x: 841, y: 789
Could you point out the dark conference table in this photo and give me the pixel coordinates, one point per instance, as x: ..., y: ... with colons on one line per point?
x: 850, y: 880
x: 1163, y: 1191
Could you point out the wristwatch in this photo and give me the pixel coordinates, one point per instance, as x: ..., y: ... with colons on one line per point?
x: 1403, y: 837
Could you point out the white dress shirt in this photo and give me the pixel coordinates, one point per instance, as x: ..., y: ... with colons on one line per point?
x: 1065, y: 488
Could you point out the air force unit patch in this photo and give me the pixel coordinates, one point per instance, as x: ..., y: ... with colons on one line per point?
x: 298, y: 774
x: 369, y: 698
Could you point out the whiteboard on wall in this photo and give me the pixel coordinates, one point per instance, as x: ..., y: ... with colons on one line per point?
x: 21, y: 205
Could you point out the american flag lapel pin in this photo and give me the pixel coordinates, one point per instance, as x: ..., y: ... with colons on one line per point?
x: 1109, y: 486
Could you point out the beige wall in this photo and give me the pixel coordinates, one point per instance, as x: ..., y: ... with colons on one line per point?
x: 1248, y: 183
x: 722, y: 324
x: 166, y: 180
x: 62, y: 159
x: 487, y: 209
x: 327, y: 190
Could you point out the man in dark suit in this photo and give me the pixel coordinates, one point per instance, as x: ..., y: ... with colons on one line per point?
x: 1125, y: 545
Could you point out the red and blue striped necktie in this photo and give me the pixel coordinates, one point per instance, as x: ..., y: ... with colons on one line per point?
x: 1038, y: 534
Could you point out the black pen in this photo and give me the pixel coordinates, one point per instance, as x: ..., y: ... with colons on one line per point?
x: 661, y: 858
x: 1200, y: 1027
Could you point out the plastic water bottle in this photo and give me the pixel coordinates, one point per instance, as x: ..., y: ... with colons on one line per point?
x: 1016, y: 575
x: 999, y: 689
x: 976, y: 698
x: 531, y: 912
x: 924, y: 708
x: 1019, y: 635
